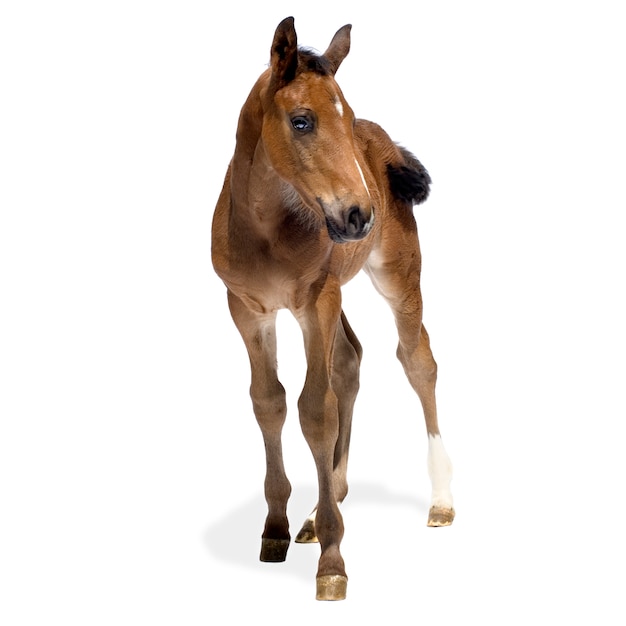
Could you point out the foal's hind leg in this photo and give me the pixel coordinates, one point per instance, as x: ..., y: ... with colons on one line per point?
x: 421, y: 370
x: 268, y: 399
x: 345, y: 383
x: 395, y: 272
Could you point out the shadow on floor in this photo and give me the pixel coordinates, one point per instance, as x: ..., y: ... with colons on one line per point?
x: 236, y: 537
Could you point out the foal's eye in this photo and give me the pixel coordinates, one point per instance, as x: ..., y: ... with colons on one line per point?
x: 302, y: 124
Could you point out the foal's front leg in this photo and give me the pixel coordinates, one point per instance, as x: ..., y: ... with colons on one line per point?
x: 319, y: 418
x: 268, y: 400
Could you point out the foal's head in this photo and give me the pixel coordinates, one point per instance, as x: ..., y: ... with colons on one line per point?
x: 308, y: 133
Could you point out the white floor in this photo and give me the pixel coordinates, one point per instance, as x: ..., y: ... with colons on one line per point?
x: 131, y: 467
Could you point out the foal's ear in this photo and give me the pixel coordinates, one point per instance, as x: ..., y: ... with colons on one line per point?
x: 284, y: 54
x: 339, y: 47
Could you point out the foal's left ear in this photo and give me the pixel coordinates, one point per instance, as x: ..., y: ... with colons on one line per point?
x: 284, y: 54
x: 339, y: 47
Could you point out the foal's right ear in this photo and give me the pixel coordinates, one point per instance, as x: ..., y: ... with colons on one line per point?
x: 339, y: 47
x: 284, y: 54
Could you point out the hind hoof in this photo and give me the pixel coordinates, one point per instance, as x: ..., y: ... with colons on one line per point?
x: 274, y: 550
x: 307, y: 533
x: 440, y: 516
x: 331, y: 587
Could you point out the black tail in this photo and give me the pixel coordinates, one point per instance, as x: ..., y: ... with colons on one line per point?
x: 409, y: 181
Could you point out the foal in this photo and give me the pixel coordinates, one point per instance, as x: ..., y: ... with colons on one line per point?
x: 313, y: 195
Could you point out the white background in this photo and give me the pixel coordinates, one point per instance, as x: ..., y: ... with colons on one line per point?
x: 131, y: 467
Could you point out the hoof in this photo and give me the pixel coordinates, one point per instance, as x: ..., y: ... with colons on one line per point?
x: 307, y: 533
x: 274, y: 550
x: 331, y: 587
x: 440, y: 516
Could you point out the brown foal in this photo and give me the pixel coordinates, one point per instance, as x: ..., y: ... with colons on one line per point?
x: 313, y: 195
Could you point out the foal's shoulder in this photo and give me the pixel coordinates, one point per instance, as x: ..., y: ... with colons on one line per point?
x: 409, y: 181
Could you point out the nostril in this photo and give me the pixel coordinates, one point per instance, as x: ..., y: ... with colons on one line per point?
x: 354, y: 223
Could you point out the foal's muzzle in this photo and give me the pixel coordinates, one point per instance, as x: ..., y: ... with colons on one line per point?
x: 356, y: 226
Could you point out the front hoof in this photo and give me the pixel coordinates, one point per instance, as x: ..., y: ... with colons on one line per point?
x: 307, y: 533
x: 331, y: 587
x: 440, y: 516
x: 274, y: 550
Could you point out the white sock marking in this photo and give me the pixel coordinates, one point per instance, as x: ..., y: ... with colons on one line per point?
x: 440, y: 472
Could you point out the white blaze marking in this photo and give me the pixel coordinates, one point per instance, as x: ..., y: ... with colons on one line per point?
x: 440, y: 472
x: 362, y: 177
x: 339, y: 107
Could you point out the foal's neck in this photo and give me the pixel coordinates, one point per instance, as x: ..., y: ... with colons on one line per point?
x: 260, y: 198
